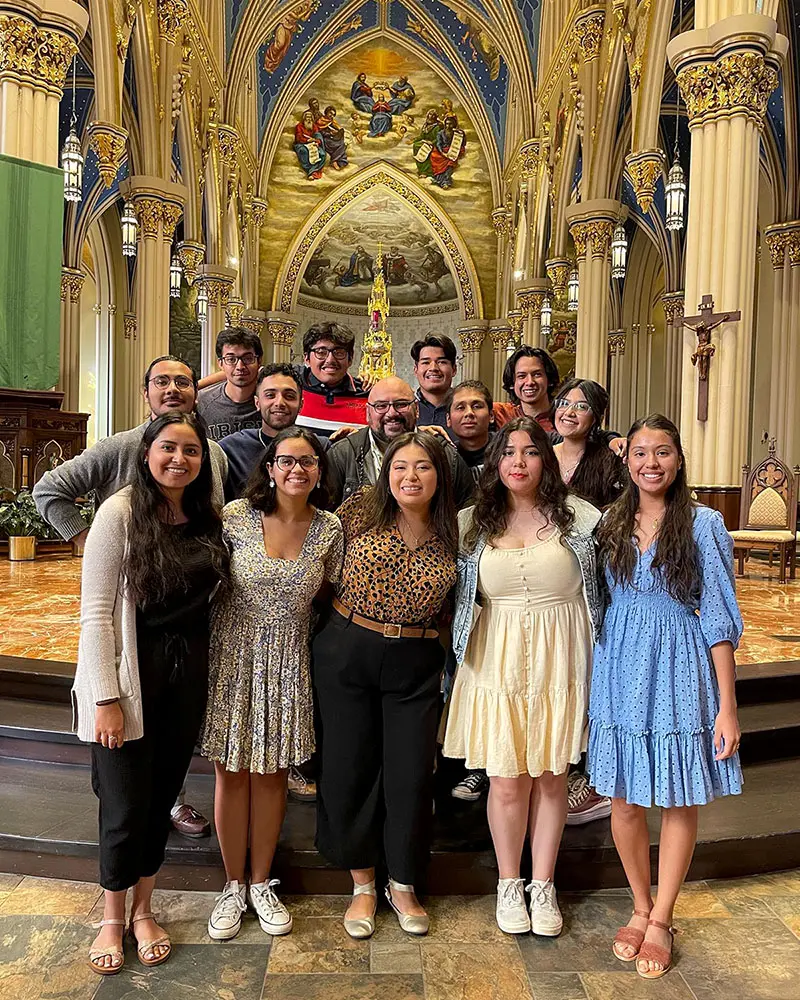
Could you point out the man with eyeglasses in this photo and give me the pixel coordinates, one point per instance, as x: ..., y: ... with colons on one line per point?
x: 228, y: 406
x: 356, y: 460
x: 332, y: 397
x: 169, y: 385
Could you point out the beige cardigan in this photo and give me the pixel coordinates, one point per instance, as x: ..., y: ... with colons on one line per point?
x: 107, y: 662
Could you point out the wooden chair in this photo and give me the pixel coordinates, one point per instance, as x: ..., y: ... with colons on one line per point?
x: 768, y: 513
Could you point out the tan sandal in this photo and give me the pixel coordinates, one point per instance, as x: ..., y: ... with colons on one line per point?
x: 631, y: 936
x: 97, y: 953
x: 143, y: 946
x: 650, y: 952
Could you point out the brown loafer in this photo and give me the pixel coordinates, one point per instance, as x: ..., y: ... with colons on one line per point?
x: 188, y: 822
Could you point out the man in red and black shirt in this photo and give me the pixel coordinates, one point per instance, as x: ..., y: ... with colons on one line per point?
x: 530, y: 378
x: 332, y: 397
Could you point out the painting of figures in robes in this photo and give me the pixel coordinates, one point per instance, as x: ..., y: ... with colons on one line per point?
x: 343, y: 265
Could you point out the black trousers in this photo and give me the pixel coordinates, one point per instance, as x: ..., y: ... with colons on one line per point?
x: 137, y: 783
x: 378, y: 709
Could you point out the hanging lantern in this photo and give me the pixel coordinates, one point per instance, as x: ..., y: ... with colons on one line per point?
x: 130, y: 230
x: 619, y: 251
x: 546, y: 324
x: 202, y: 302
x: 175, y: 275
x: 72, y: 165
x: 572, y: 290
x: 676, y: 196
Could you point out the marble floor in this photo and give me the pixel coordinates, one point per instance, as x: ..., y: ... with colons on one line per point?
x: 40, y: 607
x: 738, y: 940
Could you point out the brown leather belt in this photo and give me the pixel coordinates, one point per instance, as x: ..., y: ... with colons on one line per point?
x: 387, y: 629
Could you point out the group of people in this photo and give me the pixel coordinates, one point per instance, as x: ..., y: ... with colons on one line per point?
x: 496, y: 577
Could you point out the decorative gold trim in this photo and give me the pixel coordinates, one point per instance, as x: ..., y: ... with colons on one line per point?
x: 673, y: 303
x: 36, y: 53
x: 108, y: 141
x: 589, y: 33
x: 501, y: 221
x: 616, y: 344
x: 644, y: 169
x: 558, y: 269
x: 129, y: 326
x: 218, y: 288
x: 793, y: 246
x: 282, y: 331
x: 71, y: 283
x: 592, y: 234
x: 148, y: 212
x: 501, y: 334
x: 530, y: 301
x: 529, y: 156
x: 191, y: 255
x: 171, y: 15
x: 170, y: 217
x: 258, y: 212
x: 739, y: 83
x: 471, y: 338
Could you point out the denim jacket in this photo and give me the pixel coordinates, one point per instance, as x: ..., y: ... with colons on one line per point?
x: 580, y: 539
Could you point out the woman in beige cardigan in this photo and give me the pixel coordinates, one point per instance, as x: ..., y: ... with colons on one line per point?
x: 153, y: 560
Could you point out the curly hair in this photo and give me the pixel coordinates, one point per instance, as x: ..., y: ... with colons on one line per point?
x: 258, y: 491
x: 526, y: 351
x: 490, y: 515
x: 675, y: 559
x: 380, y: 507
x: 154, y: 564
x: 600, y: 473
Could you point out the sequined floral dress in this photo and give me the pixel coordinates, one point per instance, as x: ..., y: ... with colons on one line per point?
x: 260, y: 716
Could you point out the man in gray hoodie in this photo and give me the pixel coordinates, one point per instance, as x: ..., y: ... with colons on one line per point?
x: 169, y: 385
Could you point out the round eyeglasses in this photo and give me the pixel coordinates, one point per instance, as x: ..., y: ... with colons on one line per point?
x: 287, y: 462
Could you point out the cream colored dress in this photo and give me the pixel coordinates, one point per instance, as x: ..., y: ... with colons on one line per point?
x: 520, y: 698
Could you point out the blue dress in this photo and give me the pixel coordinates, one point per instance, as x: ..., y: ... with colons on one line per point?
x: 654, y: 696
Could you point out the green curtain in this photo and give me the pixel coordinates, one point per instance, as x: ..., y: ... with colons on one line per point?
x: 31, y: 224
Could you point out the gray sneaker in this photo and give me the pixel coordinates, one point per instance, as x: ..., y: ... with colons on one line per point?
x: 546, y: 919
x: 273, y: 916
x: 225, y: 921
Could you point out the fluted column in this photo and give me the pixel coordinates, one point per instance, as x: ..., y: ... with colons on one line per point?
x: 282, y: 331
x: 673, y: 313
x: 69, y: 371
x: 471, y: 335
x: 500, y: 332
x: 255, y: 320
x: 530, y: 299
x: 218, y: 282
x: 591, y: 225
x: 616, y: 352
x: 783, y: 242
x: 726, y: 70
x: 501, y: 222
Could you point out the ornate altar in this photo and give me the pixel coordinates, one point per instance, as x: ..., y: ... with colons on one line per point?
x: 36, y: 435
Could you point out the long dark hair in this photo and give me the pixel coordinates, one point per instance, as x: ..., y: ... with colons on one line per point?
x: 490, y: 516
x: 380, y: 508
x: 154, y: 564
x: 264, y: 497
x: 600, y: 473
x: 675, y: 558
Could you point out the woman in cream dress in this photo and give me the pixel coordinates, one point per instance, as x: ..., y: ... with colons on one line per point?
x: 527, y: 609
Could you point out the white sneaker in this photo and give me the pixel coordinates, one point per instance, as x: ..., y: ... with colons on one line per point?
x: 272, y: 914
x: 546, y: 918
x: 225, y: 921
x: 512, y: 913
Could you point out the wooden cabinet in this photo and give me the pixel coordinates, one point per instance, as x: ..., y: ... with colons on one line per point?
x: 36, y: 435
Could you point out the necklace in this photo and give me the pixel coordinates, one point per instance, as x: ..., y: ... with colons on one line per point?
x: 655, y: 522
x: 261, y: 438
x: 417, y: 540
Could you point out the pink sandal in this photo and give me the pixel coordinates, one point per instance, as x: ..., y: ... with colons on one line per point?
x: 115, y: 954
x: 631, y: 936
x: 650, y: 952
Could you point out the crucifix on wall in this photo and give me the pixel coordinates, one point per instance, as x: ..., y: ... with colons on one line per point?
x: 701, y: 359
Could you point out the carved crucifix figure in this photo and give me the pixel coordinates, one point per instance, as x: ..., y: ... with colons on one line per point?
x: 701, y: 359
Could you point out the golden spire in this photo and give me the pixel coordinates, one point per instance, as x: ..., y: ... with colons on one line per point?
x: 377, y: 361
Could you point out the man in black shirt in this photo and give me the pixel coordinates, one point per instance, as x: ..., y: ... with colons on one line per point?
x: 434, y: 360
x: 468, y: 409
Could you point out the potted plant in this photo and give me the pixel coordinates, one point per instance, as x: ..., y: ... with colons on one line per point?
x: 23, y: 524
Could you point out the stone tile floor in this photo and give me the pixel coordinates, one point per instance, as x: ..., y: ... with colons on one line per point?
x: 40, y: 606
x: 738, y: 940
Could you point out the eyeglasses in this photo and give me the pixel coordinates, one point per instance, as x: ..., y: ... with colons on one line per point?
x: 287, y: 462
x: 400, y: 405
x: 321, y: 353
x: 232, y: 360
x: 566, y: 404
x: 163, y: 381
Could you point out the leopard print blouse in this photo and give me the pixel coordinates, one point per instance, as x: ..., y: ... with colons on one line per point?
x: 383, y: 579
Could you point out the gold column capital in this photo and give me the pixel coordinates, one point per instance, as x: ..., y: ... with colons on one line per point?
x: 281, y: 330
x: 616, y: 343
x: 529, y: 156
x: 258, y: 212
x: 793, y: 246
x: 588, y: 32
x: 777, y: 241
x: 230, y: 145
x: 234, y: 310
x: 37, y: 53
x: 734, y: 84
x: 170, y: 217
x: 673, y: 303
x: 218, y: 288
x: 254, y: 320
x: 644, y: 169
x: 593, y: 235
x: 129, y: 325
x: 500, y: 331
x: 72, y: 279
x: 148, y: 213
x: 191, y: 254
x: 472, y: 335
x: 108, y: 142
x: 171, y: 15
x: 501, y: 221
x: 530, y: 300
x: 558, y: 269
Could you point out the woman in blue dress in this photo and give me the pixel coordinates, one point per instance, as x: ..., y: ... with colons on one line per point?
x: 663, y: 723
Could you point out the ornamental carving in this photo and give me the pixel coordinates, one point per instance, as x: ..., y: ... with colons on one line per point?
x: 558, y: 272
x: 282, y: 332
x: 739, y: 83
x: 644, y: 169
x: 471, y: 338
x: 41, y: 54
x: 108, y: 142
x: 171, y: 15
x: 516, y: 318
x: 229, y: 146
x: 411, y: 198
x: 580, y: 236
x: 531, y: 302
x: 234, y: 311
x: 589, y: 34
x: 71, y: 284
x: 191, y: 254
x: 593, y: 235
x: 253, y: 324
x: 170, y: 217
x: 148, y: 212
x: 793, y: 246
x: 218, y: 289
x: 501, y: 222
x: 673, y: 303
x: 129, y: 326
x: 616, y: 344
x: 776, y: 244
x: 529, y: 155
x: 259, y: 212
x: 501, y: 335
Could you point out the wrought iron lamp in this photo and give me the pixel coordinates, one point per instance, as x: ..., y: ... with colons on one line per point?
x: 546, y: 324
x: 71, y: 155
x: 130, y: 229
x: 676, y: 181
x: 573, y: 286
x: 202, y: 302
x: 175, y: 275
x: 619, y: 251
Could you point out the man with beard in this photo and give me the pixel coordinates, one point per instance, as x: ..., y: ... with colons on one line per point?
x: 356, y: 461
x: 278, y: 398
x: 434, y: 360
x: 332, y: 398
